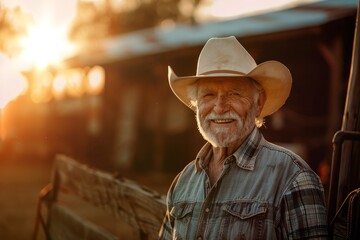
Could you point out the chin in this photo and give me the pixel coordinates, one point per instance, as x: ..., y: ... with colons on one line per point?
x: 220, y: 145
x: 222, y: 141
x: 223, y: 137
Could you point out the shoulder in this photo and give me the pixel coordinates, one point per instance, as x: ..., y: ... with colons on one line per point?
x: 293, y: 169
x: 282, y: 156
x: 187, y: 185
x: 304, y: 181
x: 184, y: 176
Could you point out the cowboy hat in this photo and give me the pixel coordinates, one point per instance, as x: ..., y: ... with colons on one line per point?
x: 226, y: 57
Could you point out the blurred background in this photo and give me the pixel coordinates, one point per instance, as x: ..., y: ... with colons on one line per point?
x: 88, y: 78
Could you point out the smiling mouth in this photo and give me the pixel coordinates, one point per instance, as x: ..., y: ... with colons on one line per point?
x: 222, y: 121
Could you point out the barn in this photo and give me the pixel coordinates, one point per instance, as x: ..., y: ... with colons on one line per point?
x: 135, y: 122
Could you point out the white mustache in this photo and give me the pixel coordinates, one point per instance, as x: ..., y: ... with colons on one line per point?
x: 228, y: 115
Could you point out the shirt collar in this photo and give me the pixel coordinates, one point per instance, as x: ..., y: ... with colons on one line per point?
x: 245, y: 155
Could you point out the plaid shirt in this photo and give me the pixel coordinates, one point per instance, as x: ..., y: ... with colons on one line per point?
x: 264, y: 192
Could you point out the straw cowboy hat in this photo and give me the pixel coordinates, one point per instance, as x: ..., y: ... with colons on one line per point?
x: 226, y: 57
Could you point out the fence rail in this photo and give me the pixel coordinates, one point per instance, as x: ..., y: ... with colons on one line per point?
x: 138, y: 206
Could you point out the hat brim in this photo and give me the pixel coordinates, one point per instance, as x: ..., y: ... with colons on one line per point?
x: 274, y: 77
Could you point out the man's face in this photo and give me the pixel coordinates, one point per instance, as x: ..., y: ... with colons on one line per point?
x: 226, y: 110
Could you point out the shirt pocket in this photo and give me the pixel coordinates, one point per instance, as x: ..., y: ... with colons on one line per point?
x: 181, y: 213
x: 243, y: 220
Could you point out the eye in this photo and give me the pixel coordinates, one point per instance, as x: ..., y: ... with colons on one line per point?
x: 235, y: 94
x: 207, y: 94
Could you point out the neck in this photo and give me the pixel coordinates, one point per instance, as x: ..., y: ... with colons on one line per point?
x: 221, y: 153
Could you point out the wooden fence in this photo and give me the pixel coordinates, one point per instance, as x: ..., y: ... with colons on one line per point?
x: 139, y: 207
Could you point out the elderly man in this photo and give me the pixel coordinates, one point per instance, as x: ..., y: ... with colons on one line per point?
x: 240, y: 186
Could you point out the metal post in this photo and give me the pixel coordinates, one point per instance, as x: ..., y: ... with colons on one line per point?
x: 349, y: 177
x: 339, y: 138
x: 345, y: 174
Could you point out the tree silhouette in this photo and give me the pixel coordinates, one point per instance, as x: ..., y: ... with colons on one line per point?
x: 96, y: 21
x: 13, y: 25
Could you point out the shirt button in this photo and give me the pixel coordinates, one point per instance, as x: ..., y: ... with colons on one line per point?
x: 199, y: 238
x: 207, y: 210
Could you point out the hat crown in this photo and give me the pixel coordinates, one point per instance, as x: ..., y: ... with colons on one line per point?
x: 224, y: 55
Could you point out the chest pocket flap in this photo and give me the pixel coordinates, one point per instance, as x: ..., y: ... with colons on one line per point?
x: 181, y: 210
x: 246, y: 210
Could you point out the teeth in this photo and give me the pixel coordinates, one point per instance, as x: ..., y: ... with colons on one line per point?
x: 222, y: 120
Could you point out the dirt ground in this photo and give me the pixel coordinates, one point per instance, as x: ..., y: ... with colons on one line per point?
x: 20, y: 183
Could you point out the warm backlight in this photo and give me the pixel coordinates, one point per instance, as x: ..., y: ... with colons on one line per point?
x: 95, y: 80
x: 59, y: 86
x: 44, y: 45
x: 12, y: 83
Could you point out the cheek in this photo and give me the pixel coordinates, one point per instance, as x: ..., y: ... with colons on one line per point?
x: 242, y: 108
x: 240, y: 111
x: 204, y: 109
x: 199, y: 115
x: 201, y: 118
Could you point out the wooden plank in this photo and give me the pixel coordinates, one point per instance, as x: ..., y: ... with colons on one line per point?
x: 66, y: 225
x: 138, y: 206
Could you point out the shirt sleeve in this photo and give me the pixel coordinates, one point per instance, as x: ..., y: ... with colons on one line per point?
x: 302, y: 213
x: 166, y: 230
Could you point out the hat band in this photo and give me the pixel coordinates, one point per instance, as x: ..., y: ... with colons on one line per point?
x: 223, y: 71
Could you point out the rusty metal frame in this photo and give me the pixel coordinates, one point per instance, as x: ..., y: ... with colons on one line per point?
x: 339, y: 138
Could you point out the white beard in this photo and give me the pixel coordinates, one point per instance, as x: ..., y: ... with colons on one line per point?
x: 224, y: 137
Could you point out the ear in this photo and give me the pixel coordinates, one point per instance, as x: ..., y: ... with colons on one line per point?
x: 260, y: 103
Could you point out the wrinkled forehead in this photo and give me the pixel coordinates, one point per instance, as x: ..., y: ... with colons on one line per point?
x: 228, y: 83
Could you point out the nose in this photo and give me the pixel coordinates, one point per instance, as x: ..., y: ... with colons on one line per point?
x: 221, y: 104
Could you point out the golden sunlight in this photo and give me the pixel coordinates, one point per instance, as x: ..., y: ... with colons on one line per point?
x: 59, y: 87
x: 74, y: 82
x: 46, y: 41
x: 45, y: 45
x: 95, y: 80
x: 41, y: 89
x: 12, y: 83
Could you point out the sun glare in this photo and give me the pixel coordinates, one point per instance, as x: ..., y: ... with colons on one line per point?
x: 12, y: 83
x: 45, y: 45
